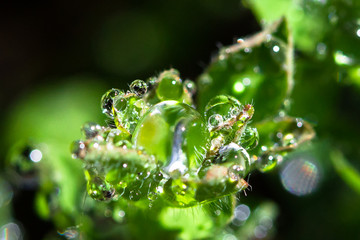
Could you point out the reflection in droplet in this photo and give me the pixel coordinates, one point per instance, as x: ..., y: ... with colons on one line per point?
x: 300, y: 176
x: 10, y: 231
x: 6, y: 193
x: 35, y: 155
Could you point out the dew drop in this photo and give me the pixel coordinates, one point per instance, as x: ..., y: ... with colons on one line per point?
x: 267, y: 162
x: 107, y: 101
x: 222, y: 105
x: 99, y: 189
x: 139, y: 87
x: 91, y: 130
x: 249, y: 139
x: 135, y: 195
x: 235, y: 156
x: 78, y: 149
x: 170, y: 86
x: 215, y: 121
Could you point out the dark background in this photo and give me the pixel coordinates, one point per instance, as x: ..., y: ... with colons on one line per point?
x: 117, y: 40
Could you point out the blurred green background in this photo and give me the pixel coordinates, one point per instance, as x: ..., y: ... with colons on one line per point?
x: 57, y: 58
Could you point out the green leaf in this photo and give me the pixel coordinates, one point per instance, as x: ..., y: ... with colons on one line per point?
x: 255, y: 70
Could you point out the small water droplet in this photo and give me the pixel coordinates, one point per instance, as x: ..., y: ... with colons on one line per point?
x: 139, y: 87
x: 91, y: 130
x: 222, y: 105
x: 152, y: 196
x: 235, y: 156
x: 78, y: 149
x: 135, y: 195
x: 99, y: 189
x: 170, y: 86
x: 267, y: 162
x: 107, y: 101
x: 249, y: 139
x: 215, y: 121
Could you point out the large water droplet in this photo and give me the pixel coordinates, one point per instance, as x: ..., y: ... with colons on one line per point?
x: 173, y: 132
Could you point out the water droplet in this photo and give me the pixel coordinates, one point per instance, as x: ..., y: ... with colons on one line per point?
x: 99, y: 189
x: 138, y: 87
x: 78, y: 149
x: 152, y: 196
x: 215, y: 121
x: 174, y: 133
x: 267, y: 162
x: 135, y: 195
x: 170, y: 86
x: 128, y: 110
x: 236, y: 157
x: 249, y: 139
x: 91, y: 130
x: 222, y: 105
x: 107, y: 101
x: 300, y: 176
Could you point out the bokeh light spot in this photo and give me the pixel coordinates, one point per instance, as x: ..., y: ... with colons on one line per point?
x: 300, y: 176
x: 35, y: 155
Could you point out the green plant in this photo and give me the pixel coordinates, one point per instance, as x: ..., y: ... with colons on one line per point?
x: 161, y: 156
x: 174, y: 157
